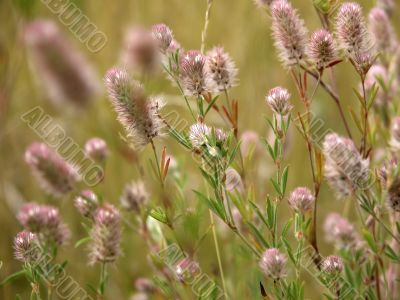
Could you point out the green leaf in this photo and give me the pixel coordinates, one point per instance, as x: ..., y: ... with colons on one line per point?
x: 13, y: 277
x: 284, y: 179
x: 159, y: 215
x: 370, y: 240
x: 215, y: 206
x: 210, y: 105
x: 82, y: 241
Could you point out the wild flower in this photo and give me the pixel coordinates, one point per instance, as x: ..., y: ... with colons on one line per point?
x: 345, y: 169
x: 26, y: 247
x: 140, y: 51
x: 301, y: 200
x: 45, y: 222
x: 96, y: 149
x: 332, y: 265
x: 272, y: 263
x: 64, y: 73
x: 134, y: 196
x: 278, y: 100
x: 163, y: 36
x: 341, y: 232
x: 322, y: 49
x: 221, y: 68
x: 56, y: 176
x: 250, y: 141
x: 289, y: 32
x: 139, y: 115
x: 351, y: 30
x: 194, y: 77
x: 86, y: 203
x: 382, y: 30
x: 186, y: 270
x: 198, y: 134
x: 105, y: 235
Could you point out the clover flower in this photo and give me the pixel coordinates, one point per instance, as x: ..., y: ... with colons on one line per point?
x: 63, y: 71
x: 96, y: 149
x: 278, y: 99
x: 332, y: 265
x: 289, y: 32
x: 86, y: 203
x: 26, y: 247
x: 221, y: 68
x: 56, y: 176
x: 345, y: 169
x: 301, y: 200
x: 134, y: 196
x: 272, y: 263
x: 163, y: 36
x: 341, y: 232
x: 194, y: 77
x: 322, y: 49
x: 105, y: 235
x: 139, y: 115
x: 382, y: 31
x: 45, y: 222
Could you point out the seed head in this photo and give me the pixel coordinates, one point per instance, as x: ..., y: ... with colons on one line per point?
x: 26, y: 247
x: 106, y: 235
x: 351, y: 30
x: 345, y: 169
x: 140, y: 51
x: 134, y: 196
x: 86, y: 203
x: 301, y: 200
x: 332, y: 265
x: 272, y: 263
x: 278, y: 100
x: 54, y: 174
x: 64, y: 73
x: 289, y: 32
x: 322, y: 49
x: 45, y: 221
x: 382, y: 31
x: 221, y: 68
x: 341, y: 232
x: 194, y: 77
x: 163, y: 36
x: 198, y: 134
x: 96, y: 149
x: 139, y: 115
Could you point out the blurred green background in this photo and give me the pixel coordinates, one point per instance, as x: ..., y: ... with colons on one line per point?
x: 244, y: 32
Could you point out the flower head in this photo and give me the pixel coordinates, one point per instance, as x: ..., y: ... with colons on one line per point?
x: 341, y: 232
x: 272, y: 263
x: 382, y: 31
x: 134, y: 196
x: 163, y: 36
x: 64, y: 73
x: 322, y: 49
x: 301, y: 200
x: 278, y: 100
x: 194, y: 77
x: 139, y: 115
x: 106, y: 235
x: 393, y: 195
x: 199, y: 134
x: 86, y: 203
x: 26, y: 247
x: 289, y: 32
x: 345, y: 169
x: 140, y: 52
x: 96, y: 149
x: 332, y: 265
x: 351, y: 30
x: 186, y: 269
x: 221, y: 68
x: 55, y: 175
x: 233, y: 180
x: 45, y: 221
